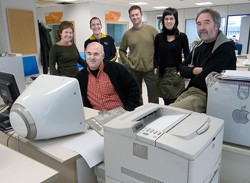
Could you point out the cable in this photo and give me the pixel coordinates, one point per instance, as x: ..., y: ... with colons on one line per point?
x: 18, y: 143
x: 3, y: 107
x: 7, y: 143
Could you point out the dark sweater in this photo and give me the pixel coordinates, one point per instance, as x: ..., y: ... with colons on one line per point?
x: 169, y: 54
x: 216, y: 56
x: 124, y: 84
x: 66, y: 59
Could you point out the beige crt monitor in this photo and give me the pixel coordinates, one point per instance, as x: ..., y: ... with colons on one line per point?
x: 51, y: 106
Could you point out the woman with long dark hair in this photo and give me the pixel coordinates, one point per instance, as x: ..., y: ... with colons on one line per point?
x: 169, y: 46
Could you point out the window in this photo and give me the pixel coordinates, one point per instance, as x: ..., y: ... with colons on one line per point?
x: 116, y: 30
x: 233, y: 26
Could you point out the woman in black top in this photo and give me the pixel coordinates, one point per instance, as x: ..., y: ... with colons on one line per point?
x: 169, y: 46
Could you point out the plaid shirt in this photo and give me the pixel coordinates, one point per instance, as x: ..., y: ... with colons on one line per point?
x: 101, y: 92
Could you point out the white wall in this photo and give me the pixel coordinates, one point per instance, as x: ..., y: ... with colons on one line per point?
x: 245, y: 33
x: 14, y: 4
x: 81, y: 14
x: 3, y: 37
x: 190, y: 13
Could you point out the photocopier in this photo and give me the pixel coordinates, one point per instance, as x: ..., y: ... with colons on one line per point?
x: 163, y: 144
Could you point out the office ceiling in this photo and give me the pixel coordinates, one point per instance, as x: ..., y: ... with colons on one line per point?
x: 149, y: 7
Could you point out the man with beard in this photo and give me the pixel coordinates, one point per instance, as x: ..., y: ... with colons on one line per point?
x: 215, y: 53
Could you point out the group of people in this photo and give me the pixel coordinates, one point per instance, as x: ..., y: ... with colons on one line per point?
x: 162, y: 60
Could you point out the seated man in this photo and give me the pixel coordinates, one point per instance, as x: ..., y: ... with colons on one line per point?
x: 214, y: 53
x: 106, y: 85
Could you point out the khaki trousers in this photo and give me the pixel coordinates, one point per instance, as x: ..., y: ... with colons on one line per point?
x: 192, y: 99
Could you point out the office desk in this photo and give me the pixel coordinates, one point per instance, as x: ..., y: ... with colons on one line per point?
x: 241, y: 62
x: 235, y: 164
x: 15, y: 167
x: 52, y: 153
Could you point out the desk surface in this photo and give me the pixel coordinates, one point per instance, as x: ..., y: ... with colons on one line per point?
x: 242, y: 60
x: 237, y: 149
x: 54, y: 148
x: 16, y: 167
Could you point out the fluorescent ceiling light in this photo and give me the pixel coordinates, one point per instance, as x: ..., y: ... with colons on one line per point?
x: 138, y: 3
x: 160, y: 7
x: 67, y: 0
x: 204, y: 3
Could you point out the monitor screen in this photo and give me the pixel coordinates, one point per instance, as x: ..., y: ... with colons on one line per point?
x: 9, y: 91
x: 30, y: 66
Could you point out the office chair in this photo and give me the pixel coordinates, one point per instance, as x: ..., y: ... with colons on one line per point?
x: 238, y: 47
x: 30, y: 66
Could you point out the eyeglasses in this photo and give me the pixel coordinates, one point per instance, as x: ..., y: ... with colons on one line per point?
x: 169, y: 19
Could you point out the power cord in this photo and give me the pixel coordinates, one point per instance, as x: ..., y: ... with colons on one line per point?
x: 7, y: 144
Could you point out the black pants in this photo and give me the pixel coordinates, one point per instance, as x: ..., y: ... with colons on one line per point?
x: 168, y: 101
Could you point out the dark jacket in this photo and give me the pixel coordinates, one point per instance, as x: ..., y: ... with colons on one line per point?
x: 108, y: 44
x: 220, y: 57
x: 124, y: 84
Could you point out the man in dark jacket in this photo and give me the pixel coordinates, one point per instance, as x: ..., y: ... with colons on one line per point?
x: 105, y: 40
x: 106, y: 85
x: 215, y: 53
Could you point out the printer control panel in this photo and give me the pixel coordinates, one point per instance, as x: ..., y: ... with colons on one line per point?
x: 149, y: 135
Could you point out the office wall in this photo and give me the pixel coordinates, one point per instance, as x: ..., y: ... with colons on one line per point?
x: 3, y: 40
x: 245, y: 33
x: 190, y: 13
x: 81, y: 14
x: 4, y: 33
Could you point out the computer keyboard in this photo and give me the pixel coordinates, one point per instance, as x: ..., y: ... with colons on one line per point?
x: 100, y: 120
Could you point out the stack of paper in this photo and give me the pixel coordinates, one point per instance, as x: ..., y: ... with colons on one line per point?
x: 236, y: 75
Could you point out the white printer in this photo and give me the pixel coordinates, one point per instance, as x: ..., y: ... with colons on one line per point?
x: 228, y: 98
x: 163, y: 144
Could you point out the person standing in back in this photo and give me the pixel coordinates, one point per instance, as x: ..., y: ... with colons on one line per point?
x: 105, y: 40
x: 140, y: 56
x: 64, y: 55
x: 169, y: 46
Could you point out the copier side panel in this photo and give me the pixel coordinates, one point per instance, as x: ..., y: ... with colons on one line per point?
x: 204, y: 167
x: 129, y: 160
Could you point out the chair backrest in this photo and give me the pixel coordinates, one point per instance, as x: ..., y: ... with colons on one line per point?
x: 82, y: 55
x: 30, y: 66
x: 238, y: 47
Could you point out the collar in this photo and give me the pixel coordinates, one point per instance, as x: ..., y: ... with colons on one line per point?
x: 101, y: 67
x: 92, y: 37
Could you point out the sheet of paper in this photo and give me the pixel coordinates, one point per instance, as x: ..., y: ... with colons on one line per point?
x: 90, y: 146
x: 164, y: 122
x: 236, y: 75
x: 246, y: 62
